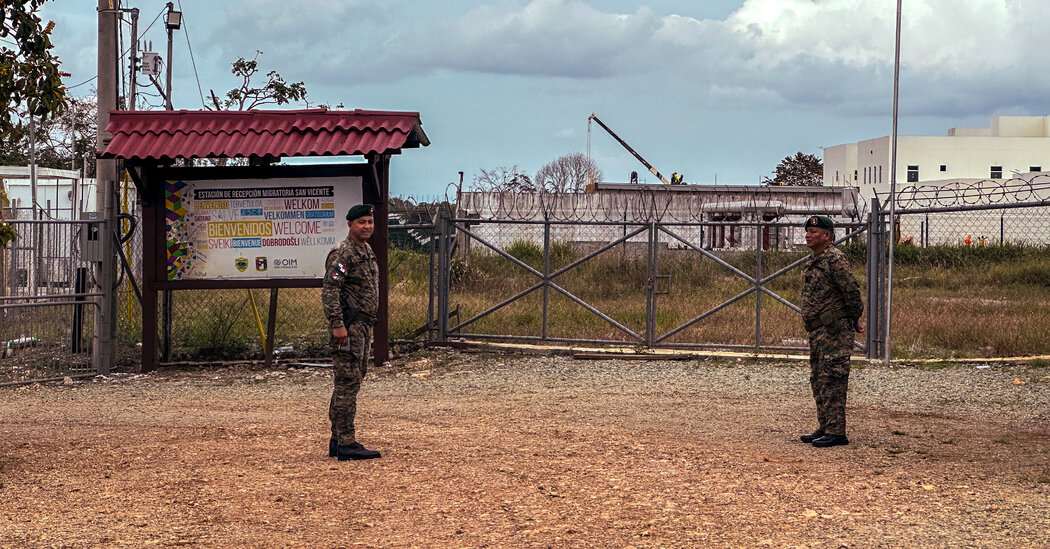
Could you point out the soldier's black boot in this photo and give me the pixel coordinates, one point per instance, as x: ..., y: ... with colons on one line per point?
x: 356, y: 451
x: 333, y: 448
x: 812, y: 436
x: 831, y: 440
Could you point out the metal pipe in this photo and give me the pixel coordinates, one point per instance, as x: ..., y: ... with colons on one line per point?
x: 758, y: 286
x: 48, y: 304
x: 724, y: 304
x: 893, y: 184
x: 546, y: 274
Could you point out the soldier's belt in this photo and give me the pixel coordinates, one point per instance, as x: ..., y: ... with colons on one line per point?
x: 356, y: 315
x: 833, y: 320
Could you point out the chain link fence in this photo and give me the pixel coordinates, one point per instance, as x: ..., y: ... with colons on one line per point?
x: 969, y: 259
x: 46, y: 307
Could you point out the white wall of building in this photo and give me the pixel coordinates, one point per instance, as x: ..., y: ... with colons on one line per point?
x: 1016, y: 144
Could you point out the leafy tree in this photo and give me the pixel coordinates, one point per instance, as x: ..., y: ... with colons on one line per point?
x: 276, y: 91
x: 503, y: 179
x: 568, y: 174
x: 29, y: 75
x: 62, y: 141
x: 29, y: 78
x: 798, y: 171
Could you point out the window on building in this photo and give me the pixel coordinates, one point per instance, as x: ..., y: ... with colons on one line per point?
x: 854, y: 175
x: 1035, y: 168
x: 880, y: 173
x: 996, y: 172
x: 913, y: 174
x: 944, y: 168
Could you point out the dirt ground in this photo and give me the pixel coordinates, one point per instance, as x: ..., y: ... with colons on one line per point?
x: 484, y: 450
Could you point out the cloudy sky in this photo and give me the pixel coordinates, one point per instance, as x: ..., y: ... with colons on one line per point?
x: 710, y: 88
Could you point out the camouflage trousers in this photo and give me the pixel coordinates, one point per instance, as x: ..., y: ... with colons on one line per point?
x: 350, y: 366
x: 829, y: 377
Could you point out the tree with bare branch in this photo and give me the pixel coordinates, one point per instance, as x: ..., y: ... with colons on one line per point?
x: 276, y: 91
x: 570, y: 173
x: 503, y: 179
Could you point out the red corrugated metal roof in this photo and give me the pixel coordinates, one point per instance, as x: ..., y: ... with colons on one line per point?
x: 161, y: 135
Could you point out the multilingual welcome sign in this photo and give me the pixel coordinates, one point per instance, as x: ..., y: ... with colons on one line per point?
x: 280, y: 228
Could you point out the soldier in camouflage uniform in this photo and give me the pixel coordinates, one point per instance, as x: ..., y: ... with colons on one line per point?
x: 350, y: 296
x: 831, y: 311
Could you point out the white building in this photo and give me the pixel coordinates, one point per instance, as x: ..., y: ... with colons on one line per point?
x: 705, y: 216
x: 60, y: 194
x: 1011, y: 146
x: 1004, y: 163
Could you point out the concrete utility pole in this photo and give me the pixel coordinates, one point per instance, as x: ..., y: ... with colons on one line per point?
x: 104, y: 343
x: 173, y: 23
x: 133, y: 85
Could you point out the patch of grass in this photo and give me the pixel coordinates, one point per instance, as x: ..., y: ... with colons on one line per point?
x: 947, y: 301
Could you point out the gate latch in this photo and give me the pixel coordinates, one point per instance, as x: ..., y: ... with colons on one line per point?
x: 667, y: 285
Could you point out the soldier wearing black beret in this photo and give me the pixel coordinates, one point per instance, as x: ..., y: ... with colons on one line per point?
x: 350, y: 297
x: 831, y: 312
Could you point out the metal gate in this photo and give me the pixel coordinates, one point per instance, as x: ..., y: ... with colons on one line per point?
x: 751, y: 262
x: 46, y: 310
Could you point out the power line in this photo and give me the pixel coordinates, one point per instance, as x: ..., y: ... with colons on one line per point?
x: 192, y: 60
x: 93, y: 78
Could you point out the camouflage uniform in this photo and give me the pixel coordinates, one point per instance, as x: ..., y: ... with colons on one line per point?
x: 831, y: 307
x: 350, y: 296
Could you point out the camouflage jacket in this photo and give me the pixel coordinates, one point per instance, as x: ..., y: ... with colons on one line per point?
x: 828, y: 284
x: 350, y: 291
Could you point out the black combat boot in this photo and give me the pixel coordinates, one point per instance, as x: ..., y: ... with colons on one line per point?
x: 812, y: 436
x: 355, y: 451
x: 333, y: 447
x: 831, y: 440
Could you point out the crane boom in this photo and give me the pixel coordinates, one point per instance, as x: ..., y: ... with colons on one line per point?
x: 648, y: 166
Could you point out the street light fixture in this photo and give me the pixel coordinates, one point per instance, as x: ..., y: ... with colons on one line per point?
x: 174, y: 21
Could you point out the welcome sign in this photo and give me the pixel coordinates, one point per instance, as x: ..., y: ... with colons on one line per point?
x: 280, y: 228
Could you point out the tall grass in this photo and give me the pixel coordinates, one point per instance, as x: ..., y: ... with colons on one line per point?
x: 948, y: 301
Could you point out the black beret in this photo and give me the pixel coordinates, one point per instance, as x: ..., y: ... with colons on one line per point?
x: 359, y: 210
x: 821, y: 222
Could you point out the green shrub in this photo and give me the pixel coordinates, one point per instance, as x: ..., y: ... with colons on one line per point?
x: 1034, y: 273
x: 527, y: 252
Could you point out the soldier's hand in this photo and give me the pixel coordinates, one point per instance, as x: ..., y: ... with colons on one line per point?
x: 339, y: 335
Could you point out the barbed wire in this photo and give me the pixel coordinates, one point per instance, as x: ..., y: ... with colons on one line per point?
x: 985, y: 192
x: 656, y: 204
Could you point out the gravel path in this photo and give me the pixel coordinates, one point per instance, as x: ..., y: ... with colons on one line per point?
x: 507, y: 451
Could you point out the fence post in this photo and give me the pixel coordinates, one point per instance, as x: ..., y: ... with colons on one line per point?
x: 166, y: 317
x: 650, y: 288
x: 546, y: 273
x: 431, y: 288
x: 759, y: 241
x: 926, y: 233
x: 79, y: 287
x: 443, y: 274
x: 876, y: 243
x: 1002, y: 228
